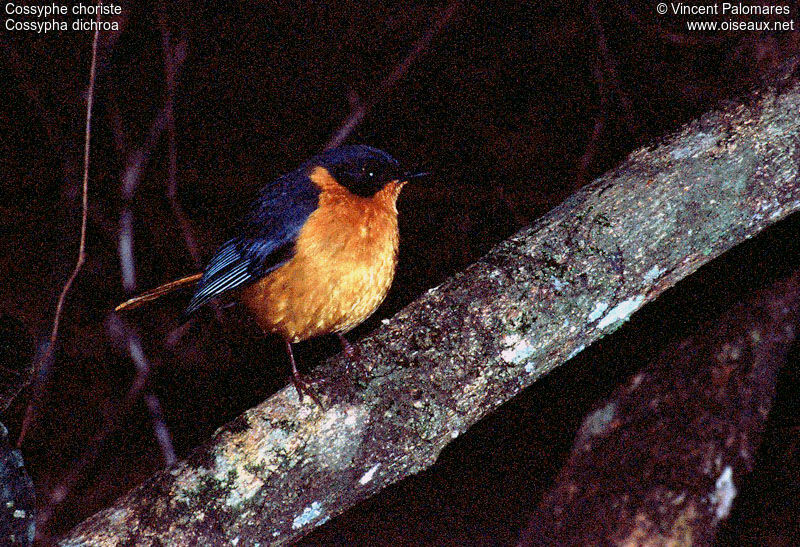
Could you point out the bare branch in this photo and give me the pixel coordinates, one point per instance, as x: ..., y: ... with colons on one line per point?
x: 135, y: 166
x: 362, y: 108
x: 597, y: 130
x: 48, y: 353
x: 173, y: 58
x: 143, y: 370
x: 469, y: 345
x: 125, y: 336
x: 610, y: 68
x: 661, y: 460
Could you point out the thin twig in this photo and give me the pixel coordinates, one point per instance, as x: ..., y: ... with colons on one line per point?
x: 597, y: 131
x: 135, y: 165
x: 58, y: 144
x: 140, y: 384
x: 48, y: 353
x: 130, y: 181
x: 139, y: 387
x: 160, y: 429
x: 363, y: 108
x: 611, y: 69
x: 665, y: 35
x: 172, y: 58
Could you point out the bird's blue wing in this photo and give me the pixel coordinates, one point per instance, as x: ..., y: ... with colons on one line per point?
x: 265, y: 238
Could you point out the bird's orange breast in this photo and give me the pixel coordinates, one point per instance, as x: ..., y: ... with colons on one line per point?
x: 342, y: 268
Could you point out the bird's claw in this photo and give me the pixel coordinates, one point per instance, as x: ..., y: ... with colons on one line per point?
x: 302, y: 386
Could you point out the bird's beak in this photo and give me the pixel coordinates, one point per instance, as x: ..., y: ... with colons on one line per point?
x: 410, y: 175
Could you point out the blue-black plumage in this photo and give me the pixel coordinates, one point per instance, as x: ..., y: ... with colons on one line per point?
x: 316, y: 252
x: 267, y: 234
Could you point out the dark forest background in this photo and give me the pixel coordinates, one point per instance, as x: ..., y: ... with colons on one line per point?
x: 512, y: 106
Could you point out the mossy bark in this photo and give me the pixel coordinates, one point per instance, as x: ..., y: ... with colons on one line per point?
x: 472, y: 343
x: 661, y: 461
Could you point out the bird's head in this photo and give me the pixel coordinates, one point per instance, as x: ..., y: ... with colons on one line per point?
x: 361, y: 170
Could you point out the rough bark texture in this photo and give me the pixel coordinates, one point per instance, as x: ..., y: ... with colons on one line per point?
x: 17, y: 495
x: 661, y: 461
x: 466, y: 346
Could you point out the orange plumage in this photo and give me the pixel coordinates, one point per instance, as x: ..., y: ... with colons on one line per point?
x: 343, y: 266
x: 315, y: 255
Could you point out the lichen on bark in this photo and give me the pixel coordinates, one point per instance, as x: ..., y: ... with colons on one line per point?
x: 465, y: 347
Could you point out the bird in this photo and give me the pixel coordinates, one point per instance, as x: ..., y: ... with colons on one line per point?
x: 315, y: 254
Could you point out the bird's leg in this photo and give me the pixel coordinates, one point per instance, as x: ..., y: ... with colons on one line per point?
x: 354, y: 363
x: 299, y: 382
x: 347, y: 347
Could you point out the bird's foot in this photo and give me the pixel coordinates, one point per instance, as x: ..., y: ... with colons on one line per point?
x: 355, y: 364
x: 300, y: 383
x: 303, y: 386
x: 349, y: 349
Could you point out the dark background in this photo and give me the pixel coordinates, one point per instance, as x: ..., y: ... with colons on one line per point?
x: 512, y: 107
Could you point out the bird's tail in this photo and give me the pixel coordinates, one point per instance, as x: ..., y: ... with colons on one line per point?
x: 158, y: 292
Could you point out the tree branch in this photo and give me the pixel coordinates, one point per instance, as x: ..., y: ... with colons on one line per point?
x: 660, y: 462
x: 465, y: 347
x: 360, y: 109
x: 44, y: 360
